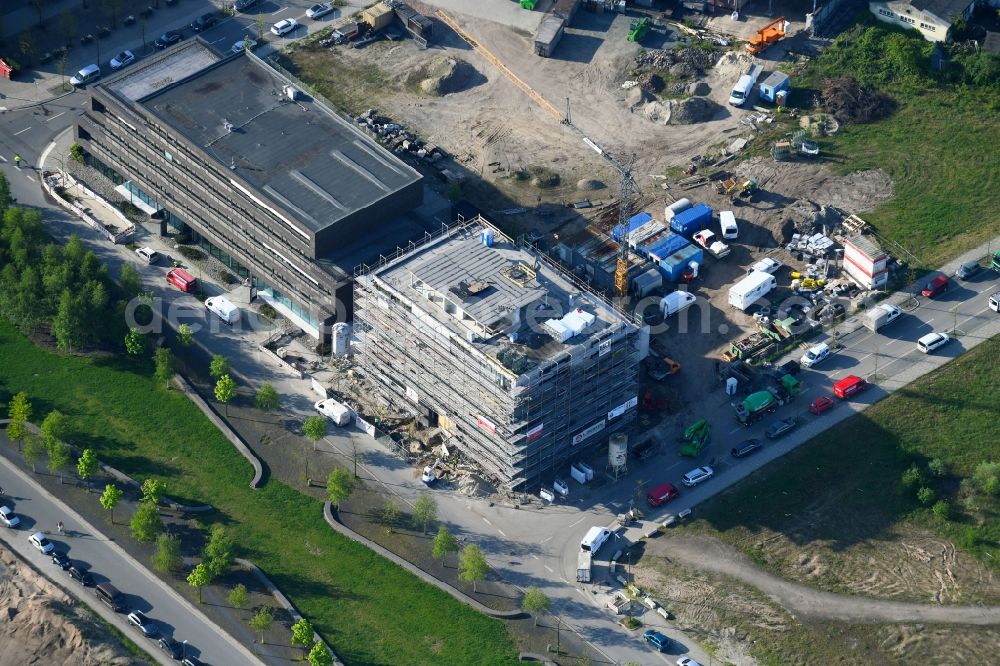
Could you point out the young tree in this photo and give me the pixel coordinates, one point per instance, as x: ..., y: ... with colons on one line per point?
x: 153, y: 491
x: 129, y: 281
x: 925, y: 495
x: 238, y: 597
x: 218, y: 367
x: 390, y: 513
x: 225, y: 390
x: 472, y: 566
x: 110, y: 498
x: 314, y: 428
x: 319, y: 656
x: 86, y: 464
x: 267, y: 398
x: 19, y: 413
x: 444, y: 543
x: 59, y: 458
x: 302, y: 634
x: 146, y: 523
x: 425, y: 511
x: 34, y: 449
x: 167, y: 558
x: 261, y: 620
x: 185, y: 335
x: 219, y: 551
x: 67, y: 325
x: 54, y: 427
x: 135, y: 342
x: 339, y: 486
x: 535, y: 602
x: 199, y: 578
x: 164, y: 365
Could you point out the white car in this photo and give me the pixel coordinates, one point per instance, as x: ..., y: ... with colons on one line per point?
x: 39, y: 541
x: 687, y: 661
x: 319, y: 11
x: 814, y: 355
x: 148, y: 254
x: 696, y: 476
x: 245, y: 43
x: 428, y: 476
x: 122, y: 59
x: 335, y: 411
x: 284, y: 26
x: 932, y: 341
x: 140, y: 621
x: 8, y: 517
x: 765, y: 265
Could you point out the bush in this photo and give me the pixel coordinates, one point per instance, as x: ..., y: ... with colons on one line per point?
x: 986, y: 478
x: 130, y: 210
x: 941, y: 509
x: 227, y: 278
x: 925, y: 495
x: 76, y: 152
x: 191, y: 253
x: 268, y: 312
x: 911, y: 477
x: 183, y: 237
x: 937, y: 467
x: 631, y: 623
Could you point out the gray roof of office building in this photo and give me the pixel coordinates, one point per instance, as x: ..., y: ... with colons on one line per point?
x: 300, y: 155
x: 949, y: 10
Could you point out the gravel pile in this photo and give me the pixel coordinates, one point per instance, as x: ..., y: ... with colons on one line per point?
x: 693, y: 110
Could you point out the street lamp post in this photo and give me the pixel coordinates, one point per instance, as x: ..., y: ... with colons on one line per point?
x: 184, y: 649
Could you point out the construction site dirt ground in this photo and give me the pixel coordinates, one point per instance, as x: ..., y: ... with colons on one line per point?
x: 494, y: 130
x: 747, y: 627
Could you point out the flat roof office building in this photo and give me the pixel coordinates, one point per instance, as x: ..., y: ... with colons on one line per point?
x: 269, y: 184
x: 524, y: 366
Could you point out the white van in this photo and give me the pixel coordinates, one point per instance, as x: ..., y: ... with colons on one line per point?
x: 676, y: 301
x: 594, y: 539
x: 741, y: 90
x: 221, y: 306
x: 727, y: 224
x: 814, y: 355
x: 995, y: 302
x: 88, y: 74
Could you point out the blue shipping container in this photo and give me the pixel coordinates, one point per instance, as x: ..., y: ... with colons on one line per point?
x: 674, y: 265
x: 665, y: 247
x: 634, y: 223
x: 692, y: 220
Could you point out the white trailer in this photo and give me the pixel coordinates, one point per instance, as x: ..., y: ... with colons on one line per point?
x: 583, y: 563
x: 881, y: 315
x: 751, y: 289
x: 221, y: 306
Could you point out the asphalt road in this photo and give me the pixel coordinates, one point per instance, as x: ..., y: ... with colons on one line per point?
x: 143, y: 591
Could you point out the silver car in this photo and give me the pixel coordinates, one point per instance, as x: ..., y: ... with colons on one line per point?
x: 697, y: 475
x: 8, y: 517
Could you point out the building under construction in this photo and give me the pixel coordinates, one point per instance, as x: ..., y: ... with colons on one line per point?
x: 518, y: 361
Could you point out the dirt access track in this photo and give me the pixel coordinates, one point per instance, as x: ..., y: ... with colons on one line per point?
x: 804, y: 602
x: 493, y: 129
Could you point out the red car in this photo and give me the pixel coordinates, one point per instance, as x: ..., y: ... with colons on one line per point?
x: 661, y: 493
x: 935, y: 287
x: 820, y: 405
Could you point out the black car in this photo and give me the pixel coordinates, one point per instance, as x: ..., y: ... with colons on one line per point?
x: 779, y: 428
x: 168, y: 39
x: 968, y: 269
x: 644, y: 449
x: 82, y: 576
x: 203, y: 22
x: 60, y: 559
x: 170, y: 646
x: 746, y: 447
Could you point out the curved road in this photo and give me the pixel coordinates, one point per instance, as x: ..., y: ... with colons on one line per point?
x: 39, y: 511
x: 707, y: 554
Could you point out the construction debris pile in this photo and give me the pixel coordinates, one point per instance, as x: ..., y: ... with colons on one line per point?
x: 397, y: 139
x: 684, y: 62
x: 848, y: 102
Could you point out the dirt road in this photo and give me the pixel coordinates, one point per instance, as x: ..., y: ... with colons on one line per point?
x: 712, y: 555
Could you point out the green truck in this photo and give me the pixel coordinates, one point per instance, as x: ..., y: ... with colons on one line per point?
x: 695, y: 438
x: 755, y: 406
x: 995, y: 262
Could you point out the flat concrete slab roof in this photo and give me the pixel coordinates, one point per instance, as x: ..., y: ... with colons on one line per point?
x: 303, y: 156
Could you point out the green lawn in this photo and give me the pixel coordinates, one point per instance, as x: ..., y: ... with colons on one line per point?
x: 939, y: 147
x: 370, y: 611
x: 844, y: 487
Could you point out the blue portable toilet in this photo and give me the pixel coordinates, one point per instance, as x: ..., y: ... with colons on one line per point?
x: 777, y: 82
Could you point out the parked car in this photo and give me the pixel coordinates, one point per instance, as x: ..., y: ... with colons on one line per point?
x: 427, y: 477
x: 284, y: 26
x: 168, y: 39
x: 968, y: 269
x: 148, y: 254
x: 932, y: 341
x: 140, y: 621
x: 319, y: 11
x: 8, y: 517
x: 657, y: 640
x: 203, y: 22
x: 766, y: 265
x: 88, y: 74
x: 820, y: 404
x: 122, y: 59
x: 815, y: 354
x: 661, y: 493
x: 170, y: 646
x: 60, y: 559
x: 192, y: 661
x: 339, y: 413
x: 935, y: 287
x: 245, y: 43
x: 39, y: 541
x: 780, y: 428
x: 687, y: 661
x: 697, y: 475
x: 81, y: 576
x: 746, y: 447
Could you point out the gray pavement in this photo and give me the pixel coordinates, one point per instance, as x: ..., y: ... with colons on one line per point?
x: 107, y: 562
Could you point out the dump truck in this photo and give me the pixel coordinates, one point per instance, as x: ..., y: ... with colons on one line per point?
x: 583, y: 561
x: 881, y: 315
x: 995, y: 262
x: 696, y: 436
x: 751, y: 409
